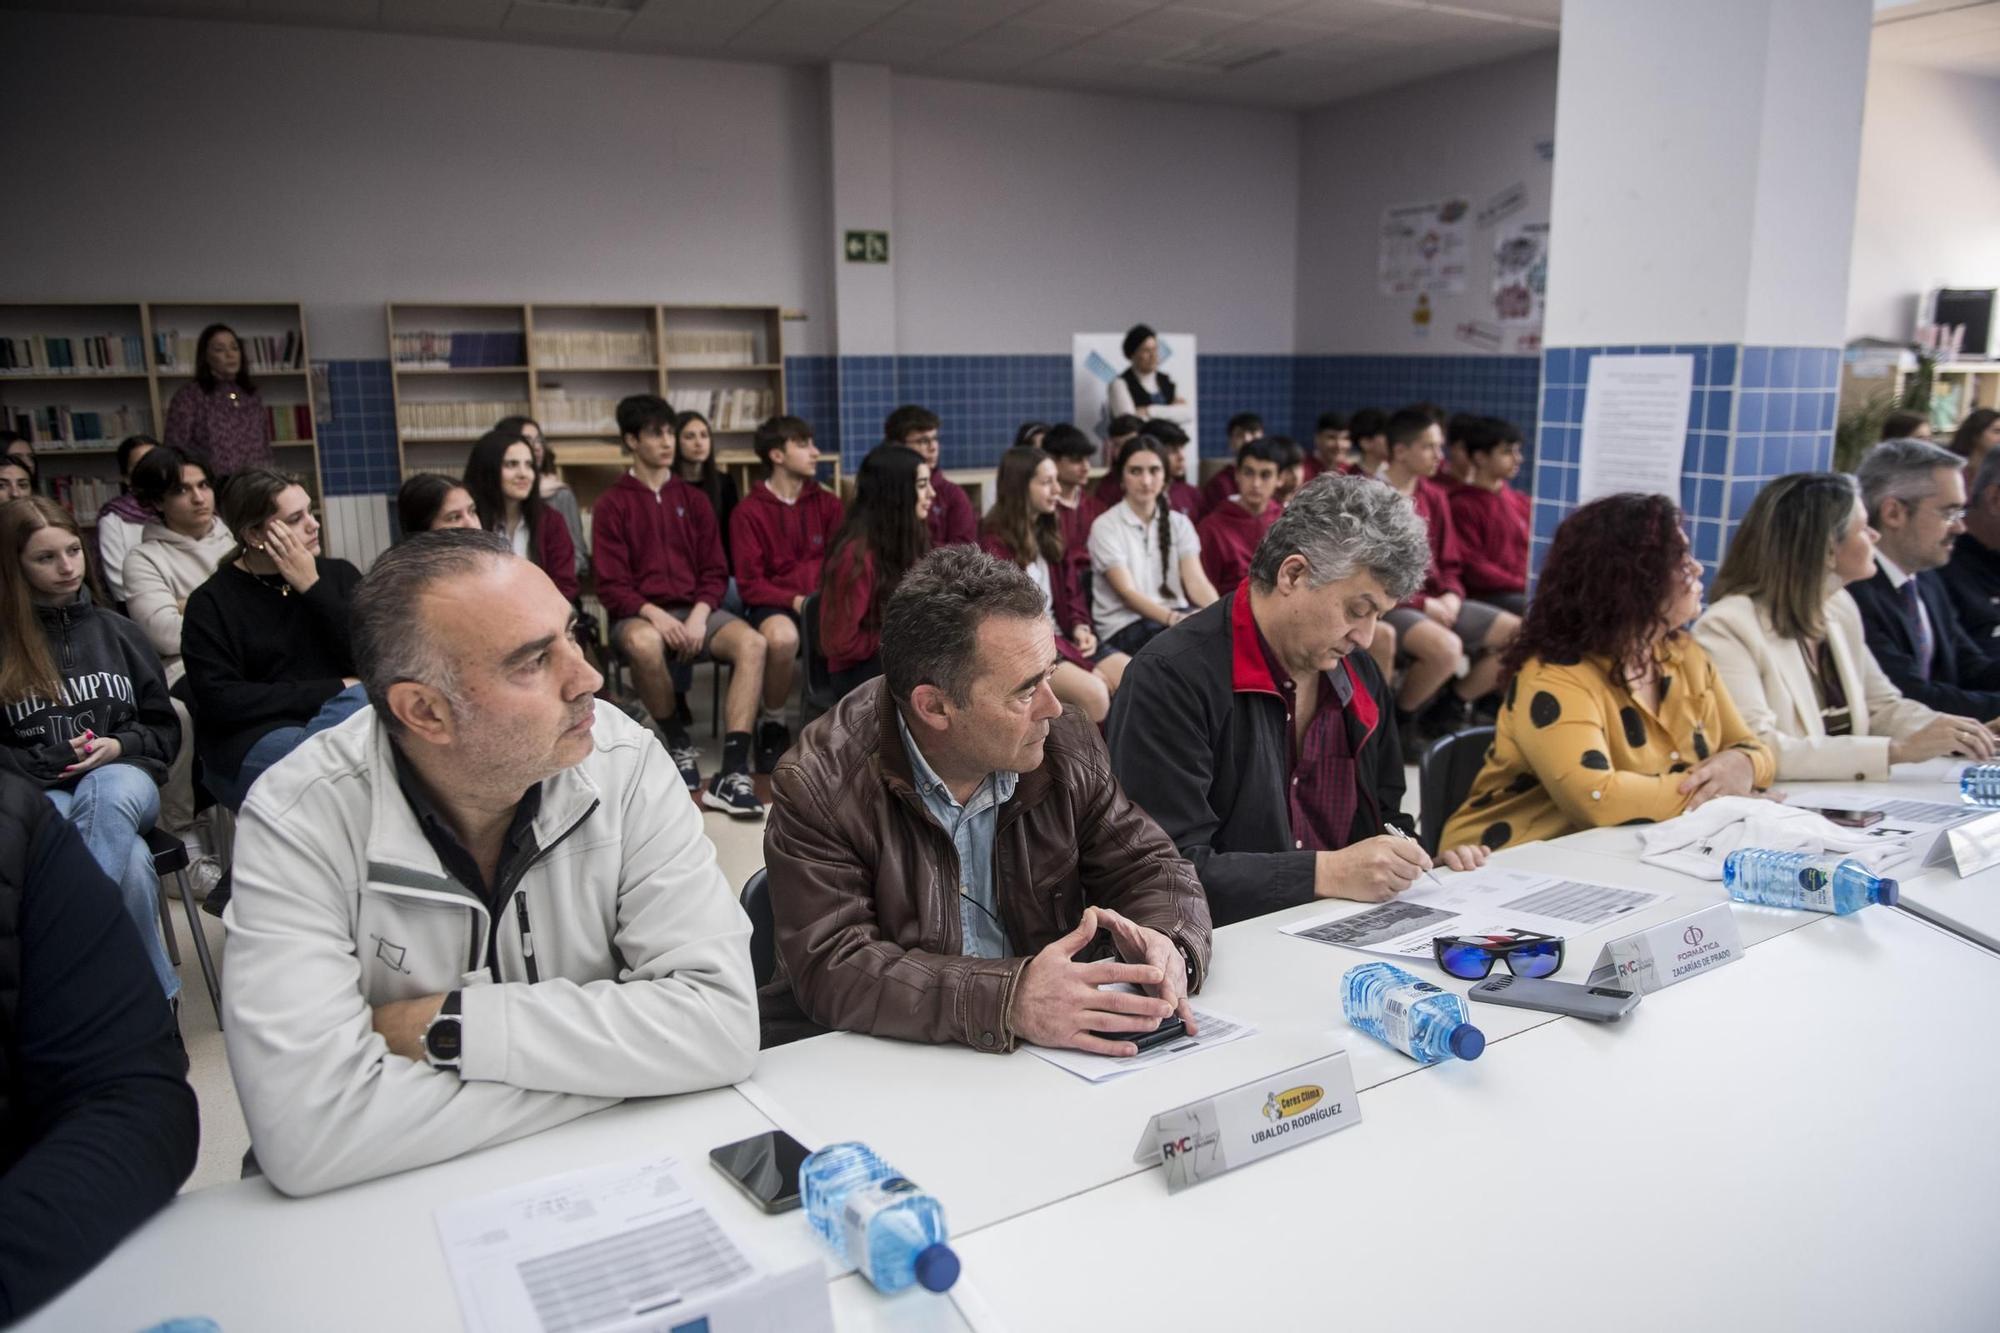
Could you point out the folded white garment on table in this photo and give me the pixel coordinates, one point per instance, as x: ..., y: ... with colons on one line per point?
x: 1698, y: 842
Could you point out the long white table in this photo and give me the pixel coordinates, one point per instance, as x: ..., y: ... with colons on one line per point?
x: 1838, y: 1070
x: 1800, y: 1140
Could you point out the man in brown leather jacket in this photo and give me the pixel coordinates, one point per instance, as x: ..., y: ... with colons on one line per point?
x: 946, y: 846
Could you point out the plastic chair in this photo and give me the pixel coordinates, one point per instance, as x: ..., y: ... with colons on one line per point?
x: 1445, y: 773
x: 818, y: 695
x: 170, y: 857
x: 763, y: 928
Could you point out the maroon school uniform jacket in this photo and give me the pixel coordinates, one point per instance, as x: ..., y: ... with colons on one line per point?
x: 661, y: 548
x: 780, y: 547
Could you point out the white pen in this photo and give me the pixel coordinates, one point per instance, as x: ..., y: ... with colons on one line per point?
x: 1395, y: 832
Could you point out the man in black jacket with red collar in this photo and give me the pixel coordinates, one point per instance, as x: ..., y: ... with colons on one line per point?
x: 1260, y: 734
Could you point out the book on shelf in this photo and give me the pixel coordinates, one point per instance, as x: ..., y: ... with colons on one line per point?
x: 49, y: 354
x: 591, y: 347
x: 83, y: 496
x: 444, y: 421
x: 60, y: 426
x: 291, y: 423
x: 726, y: 409
x: 455, y: 349
x: 173, y: 351
x: 693, y: 349
x: 566, y: 415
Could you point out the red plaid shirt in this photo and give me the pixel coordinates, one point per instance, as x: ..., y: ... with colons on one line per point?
x: 1323, y: 792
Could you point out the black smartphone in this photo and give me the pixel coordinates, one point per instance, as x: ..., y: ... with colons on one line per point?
x: 1849, y: 818
x: 765, y: 1167
x: 1170, y: 1027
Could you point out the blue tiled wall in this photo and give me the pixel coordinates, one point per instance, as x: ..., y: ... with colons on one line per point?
x: 1260, y: 384
x: 357, y: 435
x: 1756, y: 413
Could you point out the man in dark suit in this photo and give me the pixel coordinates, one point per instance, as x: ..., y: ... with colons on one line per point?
x: 1972, y: 575
x: 1915, y: 496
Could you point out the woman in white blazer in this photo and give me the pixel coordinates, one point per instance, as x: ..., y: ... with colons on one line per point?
x: 1786, y: 641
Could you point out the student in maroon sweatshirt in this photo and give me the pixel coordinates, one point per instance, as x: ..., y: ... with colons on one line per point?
x: 1438, y: 625
x: 779, y: 537
x: 952, y: 521
x: 1492, y: 517
x: 1243, y: 428
x: 661, y: 576
x: 1330, y: 448
x: 879, y: 541
x: 1233, y: 529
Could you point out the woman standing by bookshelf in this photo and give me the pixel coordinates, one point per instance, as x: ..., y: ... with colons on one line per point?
x: 694, y: 463
x: 220, y: 417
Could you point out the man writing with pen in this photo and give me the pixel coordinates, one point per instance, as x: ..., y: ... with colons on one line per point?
x: 1260, y: 733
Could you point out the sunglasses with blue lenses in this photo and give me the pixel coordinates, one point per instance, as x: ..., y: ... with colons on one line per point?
x: 1471, y: 957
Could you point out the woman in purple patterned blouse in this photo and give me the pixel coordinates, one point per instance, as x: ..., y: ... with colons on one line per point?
x: 219, y: 417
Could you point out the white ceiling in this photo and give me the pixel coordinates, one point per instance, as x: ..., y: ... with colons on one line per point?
x: 1298, y: 53
x: 1961, y: 35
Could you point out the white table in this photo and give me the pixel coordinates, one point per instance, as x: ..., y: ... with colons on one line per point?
x: 368, y: 1257
x: 997, y: 1136
x: 1799, y: 1140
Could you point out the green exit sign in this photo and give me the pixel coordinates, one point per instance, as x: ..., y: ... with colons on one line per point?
x: 867, y: 247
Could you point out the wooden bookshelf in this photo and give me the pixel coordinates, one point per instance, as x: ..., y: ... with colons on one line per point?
x: 132, y: 399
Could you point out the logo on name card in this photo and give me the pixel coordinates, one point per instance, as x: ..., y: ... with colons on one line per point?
x: 1693, y: 936
x: 1290, y: 1102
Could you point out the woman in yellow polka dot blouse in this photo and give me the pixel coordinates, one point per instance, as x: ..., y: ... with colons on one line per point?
x: 1615, y: 715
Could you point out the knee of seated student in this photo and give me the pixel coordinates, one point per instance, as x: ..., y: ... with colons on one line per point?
x: 738, y: 644
x: 1432, y: 642
x: 781, y: 635
x: 641, y: 643
x: 125, y: 787
x: 1505, y: 626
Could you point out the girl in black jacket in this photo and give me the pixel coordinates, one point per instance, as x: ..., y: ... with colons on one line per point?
x: 83, y: 706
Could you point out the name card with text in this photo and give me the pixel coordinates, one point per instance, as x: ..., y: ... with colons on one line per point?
x: 1970, y: 848
x: 1204, y: 1139
x: 1670, y: 953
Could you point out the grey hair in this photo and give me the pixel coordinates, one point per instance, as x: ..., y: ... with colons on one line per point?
x: 391, y: 643
x: 1988, y: 475
x: 1344, y: 524
x: 1901, y: 470
x: 930, y: 629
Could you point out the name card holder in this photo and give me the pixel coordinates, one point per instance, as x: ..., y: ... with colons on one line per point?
x: 1668, y: 954
x: 1251, y: 1121
x: 1970, y: 847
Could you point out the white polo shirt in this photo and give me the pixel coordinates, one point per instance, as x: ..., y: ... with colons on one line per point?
x: 1120, y: 539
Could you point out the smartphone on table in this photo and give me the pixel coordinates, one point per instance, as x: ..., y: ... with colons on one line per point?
x: 1849, y: 818
x: 765, y: 1167
x: 1599, y: 1004
x: 1170, y: 1029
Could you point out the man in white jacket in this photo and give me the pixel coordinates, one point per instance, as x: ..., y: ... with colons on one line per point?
x: 479, y: 908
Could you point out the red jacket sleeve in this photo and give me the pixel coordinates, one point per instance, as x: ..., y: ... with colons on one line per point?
x: 1447, y: 561
x: 750, y: 546
x: 1215, y: 490
x: 1483, y: 543
x: 961, y: 525
x: 1215, y: 561
x: 850, y: 582
x: 556, y: 553
x: 611, y: 557
x: 711, y: 569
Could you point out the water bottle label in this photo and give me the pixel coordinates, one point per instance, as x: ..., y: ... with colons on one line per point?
x: 1397, y: 1004
x: 1815, y: 889
x: 863, y: 1204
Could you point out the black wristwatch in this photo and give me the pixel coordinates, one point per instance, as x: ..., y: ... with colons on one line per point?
x: 443, y: 1038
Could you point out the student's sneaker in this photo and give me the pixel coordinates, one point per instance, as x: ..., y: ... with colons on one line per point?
x: 773, y: 739
x: 218, y: 897
x: 687, y: 759
x: 733, y: 794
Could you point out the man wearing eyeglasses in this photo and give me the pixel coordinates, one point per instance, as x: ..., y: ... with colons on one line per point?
x: 1914, y: 492
x: 952, y: 521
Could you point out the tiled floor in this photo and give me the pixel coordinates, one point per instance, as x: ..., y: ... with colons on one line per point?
x: 739, y: 848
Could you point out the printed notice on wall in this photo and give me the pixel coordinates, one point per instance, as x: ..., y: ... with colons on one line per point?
x: 1635, y: 416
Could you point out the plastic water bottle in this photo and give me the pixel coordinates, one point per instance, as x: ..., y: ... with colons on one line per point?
x: 1980, y: 784
x: 1812, y: 881
x: 1424, y: 1021
x: 884, y: 1224
x: 825, y: 1179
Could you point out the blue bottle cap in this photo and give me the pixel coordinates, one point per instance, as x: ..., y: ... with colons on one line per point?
x: 1466, y: 1041
x: 937, y: 1268
x: 1888, y: 892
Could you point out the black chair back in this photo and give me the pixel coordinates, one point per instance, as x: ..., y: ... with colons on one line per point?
x: 1445, y: 773
x: 763, y: 928
x: 819, y: 693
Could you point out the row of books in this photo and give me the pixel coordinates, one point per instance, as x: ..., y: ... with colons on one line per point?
x: 566, y: 415
x: 105, y: 352
x: 726, y: 409
x: 448, y: 421
x: 173, y: 351
x: 60, y: 426
x: 83, y: 496
x: 711, y: 347
x: 557, y: 351
x: 456, y: 349
x: 291, y: 423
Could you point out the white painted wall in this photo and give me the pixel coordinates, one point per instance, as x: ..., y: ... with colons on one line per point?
x: 180, y: 159
x: 1928, y: 212
x: 1470, y: 134
x: 1024, y: 215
